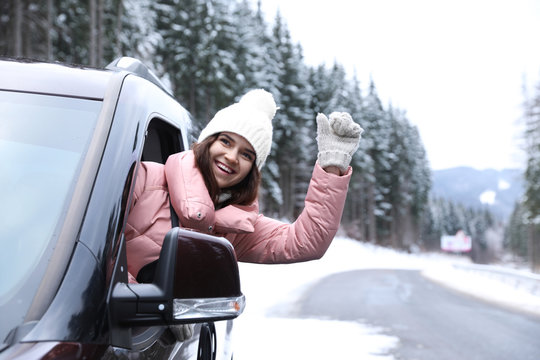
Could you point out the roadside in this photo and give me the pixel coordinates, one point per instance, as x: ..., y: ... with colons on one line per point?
x: 519, y: 290
x: 264, y: 331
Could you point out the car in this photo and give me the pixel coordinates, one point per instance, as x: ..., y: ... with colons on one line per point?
x: 71, y: 141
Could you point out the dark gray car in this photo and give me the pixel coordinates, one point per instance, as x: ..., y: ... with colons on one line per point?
x: 71, y: 140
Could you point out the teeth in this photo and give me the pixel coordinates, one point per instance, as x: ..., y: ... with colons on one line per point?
x: 224, y: 168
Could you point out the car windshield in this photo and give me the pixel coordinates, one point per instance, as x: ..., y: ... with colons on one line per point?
x: 43, y: 140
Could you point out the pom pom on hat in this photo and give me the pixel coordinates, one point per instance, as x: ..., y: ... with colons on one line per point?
x: 262, y: 100
x: 250, y: 118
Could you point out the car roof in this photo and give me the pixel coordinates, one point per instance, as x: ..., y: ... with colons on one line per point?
x: 53, y: 78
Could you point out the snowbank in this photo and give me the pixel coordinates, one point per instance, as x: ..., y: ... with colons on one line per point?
x: 505, y: 287
x: 264, y: 331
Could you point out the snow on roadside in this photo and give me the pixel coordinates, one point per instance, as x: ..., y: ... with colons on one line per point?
x: 264, y: 332
x: 494, y: 288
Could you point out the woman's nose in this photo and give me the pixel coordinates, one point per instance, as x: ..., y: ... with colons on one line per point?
x: 232, y: 155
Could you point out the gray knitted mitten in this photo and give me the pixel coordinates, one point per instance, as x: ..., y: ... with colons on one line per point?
x: 338, y: 139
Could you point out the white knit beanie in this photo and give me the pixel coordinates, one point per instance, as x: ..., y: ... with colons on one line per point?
x: 251, y: 118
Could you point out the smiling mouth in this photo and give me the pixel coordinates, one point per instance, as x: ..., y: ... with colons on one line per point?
x: 224, y: 168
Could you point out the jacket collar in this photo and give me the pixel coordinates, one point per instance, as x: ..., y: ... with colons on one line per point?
x: 192, y: 202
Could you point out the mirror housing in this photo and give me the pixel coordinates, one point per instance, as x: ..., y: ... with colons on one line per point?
x: 196, y: 280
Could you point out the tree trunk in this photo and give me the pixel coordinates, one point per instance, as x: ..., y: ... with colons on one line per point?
x: 99, y: 33
x: 120, y: 14
x: 17, y: 28
x: 395, y: 227
x: 49, y: 30
x: 193, y: 104
x: 92, y: 51
x: 534, y: 249
x: 29, y: 30
x: 286, y: 183
x: 361, y: 218
x: 372, y: 226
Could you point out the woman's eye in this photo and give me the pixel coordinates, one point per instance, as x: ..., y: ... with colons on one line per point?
x: 248, y: 156
x: 224, y: 141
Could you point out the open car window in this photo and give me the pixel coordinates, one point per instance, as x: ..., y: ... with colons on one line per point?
x: 162, y: 140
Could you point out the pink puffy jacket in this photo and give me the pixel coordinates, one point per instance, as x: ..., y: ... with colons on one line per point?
x: 255, y: 238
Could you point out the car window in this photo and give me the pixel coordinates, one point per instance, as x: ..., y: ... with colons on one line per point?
x: 43, y: 140
x: 161, y: 141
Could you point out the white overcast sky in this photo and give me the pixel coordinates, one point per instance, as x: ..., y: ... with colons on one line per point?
x: 456, y: 67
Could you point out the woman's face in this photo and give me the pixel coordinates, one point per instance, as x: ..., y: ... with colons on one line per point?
x: 231, y: 159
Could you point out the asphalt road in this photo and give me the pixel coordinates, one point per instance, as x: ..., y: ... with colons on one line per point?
x: 431, y: 321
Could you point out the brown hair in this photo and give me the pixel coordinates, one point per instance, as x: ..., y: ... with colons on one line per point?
x: 243, y: 193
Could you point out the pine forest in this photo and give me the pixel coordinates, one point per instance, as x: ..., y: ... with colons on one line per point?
x: 210, y: 52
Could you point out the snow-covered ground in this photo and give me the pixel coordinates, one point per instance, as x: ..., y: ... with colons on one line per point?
x: 264, y: 332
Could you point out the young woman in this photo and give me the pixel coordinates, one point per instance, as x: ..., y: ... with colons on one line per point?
x: 213, y: 188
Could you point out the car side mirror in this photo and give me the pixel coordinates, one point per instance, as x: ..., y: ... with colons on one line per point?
x: 196, y: 280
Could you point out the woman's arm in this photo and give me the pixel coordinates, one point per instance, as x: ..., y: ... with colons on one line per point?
x: 309, y: 237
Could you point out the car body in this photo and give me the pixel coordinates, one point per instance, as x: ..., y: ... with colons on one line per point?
x: 71, y: 140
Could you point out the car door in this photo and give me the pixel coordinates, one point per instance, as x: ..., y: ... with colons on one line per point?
x: 161, y: 140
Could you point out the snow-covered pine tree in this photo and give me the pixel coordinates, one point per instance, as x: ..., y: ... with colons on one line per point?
x: 136, y: 32
x: 420, y: 178
x: 194, y: 53
x: 26, y: 28
x: 532, y: 173
x: 72, y: 37
x: 532, y: 177
x: 293, y: 97
x: 516, y: 232
x: 251, y: 49
x: 211, y: 52
x: 174, y: 52
x: 354, y: 217
x: 258, y: 68
x: 445, y: 217
x: 334, y: 91
x: 219, y: 70
x: 297, y: 96
x: 410, y: 181
x: 377, y: 144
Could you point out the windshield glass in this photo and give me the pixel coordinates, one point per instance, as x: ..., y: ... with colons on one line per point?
x: 43, y: 140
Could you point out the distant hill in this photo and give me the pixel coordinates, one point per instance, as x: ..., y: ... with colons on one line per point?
x: 498, y: 190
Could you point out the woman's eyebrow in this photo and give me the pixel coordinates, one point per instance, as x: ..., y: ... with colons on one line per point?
x: 228, y: 137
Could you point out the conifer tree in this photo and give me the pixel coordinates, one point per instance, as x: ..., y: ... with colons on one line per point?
x: 194, y: 53
x: 516, y: 232
x: 376, y: 143
x: 251, y: 49
x: 210, y: 53
x: 445, y: 217
x: 355, y: 211
x: 292, y: 96
x: 532, y: 177
x: 26, y: 28
x: 411, y: 181
x: 136, y: 32
x: 258, y: 67
x: 72, y: 40
x: 532, y: 173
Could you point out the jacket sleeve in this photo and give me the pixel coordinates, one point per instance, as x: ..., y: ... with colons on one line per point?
x: 309, y: 236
